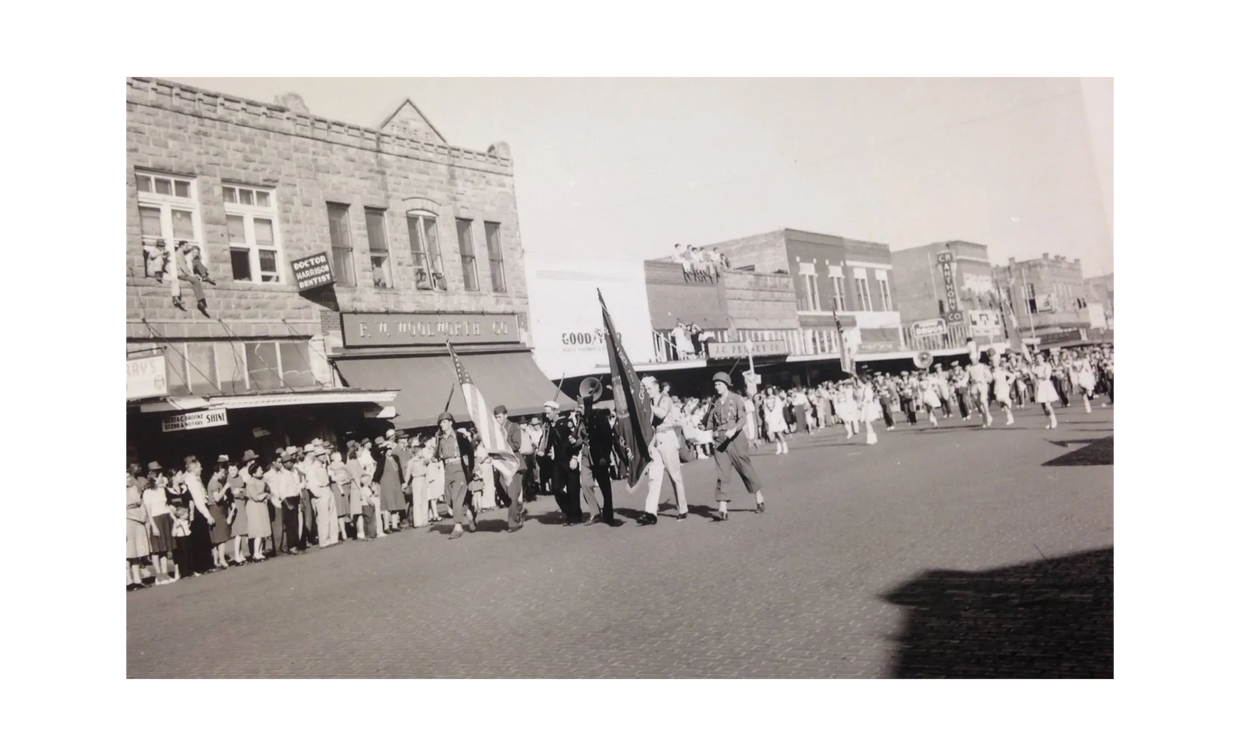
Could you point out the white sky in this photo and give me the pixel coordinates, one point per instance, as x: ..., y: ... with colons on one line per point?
x: 625, y: 168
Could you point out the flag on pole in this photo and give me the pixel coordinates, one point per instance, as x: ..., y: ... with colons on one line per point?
x: 634, y: 413
x: 493, y: 440
x: 845, y: 358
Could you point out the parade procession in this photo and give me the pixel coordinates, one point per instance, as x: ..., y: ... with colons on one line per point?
x: 762, y: 445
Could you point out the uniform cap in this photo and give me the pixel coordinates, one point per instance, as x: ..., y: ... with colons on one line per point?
x: 722, y: 378
x: 445, y: 416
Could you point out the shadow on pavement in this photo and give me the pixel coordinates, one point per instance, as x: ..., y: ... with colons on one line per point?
x: 1049, y: 618
x: 1098, y: 451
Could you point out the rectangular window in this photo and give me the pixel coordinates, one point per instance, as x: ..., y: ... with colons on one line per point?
x: 168, y: 210
x: 863, y: 294
x: 495, y: 253
x: 201, y: 370
x: 469, y: 265
x: 427, y: 262
x: 885, y: 294
x: 230, y: 364
x: 807, y: 298
x: 837, y: 292
x: 342, y: 244
x: 295, y: 364
x: 253, y: 241
x: 380, y: 260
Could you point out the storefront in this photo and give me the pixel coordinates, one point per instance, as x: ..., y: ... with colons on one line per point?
x: 170, y: 428
x: 407, y: 352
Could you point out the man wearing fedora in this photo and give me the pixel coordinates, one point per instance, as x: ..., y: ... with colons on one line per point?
x: 726, y: 421
x: 319, y: 484
x: 665, y: 456
x: 598, y: 440
x: 453, y: 449
x: 514, y: 493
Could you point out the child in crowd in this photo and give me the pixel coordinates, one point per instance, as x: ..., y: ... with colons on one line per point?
x: 181, y: 564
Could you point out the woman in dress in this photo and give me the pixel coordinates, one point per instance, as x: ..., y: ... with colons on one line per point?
x: 137, y: 540
x: 776, y: 427
x: 391, y: 498
x: 1085, y: 380
x: 238, y: 520
x: 257, y: 515
x: 1003, y: 378
x: 415, y: 474
x: 846, y: 407
x: 218, y: 505
x: 867, y: 409
x: 799, y: 406
x: 751, y: 414
x: 159, y: 521
x: 342, y: 482
x: 1045, y: 394
x: 929, y: 397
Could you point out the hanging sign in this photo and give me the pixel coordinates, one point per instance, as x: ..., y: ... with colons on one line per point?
x: 312, y: 272
x: 948, y: 265
x: 195, y: 420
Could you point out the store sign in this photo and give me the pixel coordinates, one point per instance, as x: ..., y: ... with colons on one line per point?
x: 736, y: 349
x: 409, y: 329
x: 583, y: 341
x: 954, y: 317
x: 948, y: 265
x: 1060, y: 337
x: 985, y: 323
x: 935, y: 327
x: 146, y: 377
x: 869, y: 347
x: 312, y: 272
x: 195, y: 420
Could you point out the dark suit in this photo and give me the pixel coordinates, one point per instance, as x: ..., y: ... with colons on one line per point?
x: 565, y: 481
x: 598, y: 443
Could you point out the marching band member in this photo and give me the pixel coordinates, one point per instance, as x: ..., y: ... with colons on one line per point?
x: 930, y: 397
x: 1003, y: 389
x: 1084, y: 371
x: 979, y: 388
x: 1045, y: 393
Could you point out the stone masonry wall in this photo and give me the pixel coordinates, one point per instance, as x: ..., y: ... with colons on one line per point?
x: 309, y: 162
x: 760, y: 301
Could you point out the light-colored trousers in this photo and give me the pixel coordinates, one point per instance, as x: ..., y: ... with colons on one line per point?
x: 666, y: 457
x: 325, y: 515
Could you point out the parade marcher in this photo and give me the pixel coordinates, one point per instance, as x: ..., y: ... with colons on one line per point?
x: 929, y: 397
x: 979, y: 388
x: 453, y: 449
x: 960, y: 387
x: 1045, y: 392
x: 1059, y: 377
x: 1085, y: 380
x: 943, y: 386
x: 1004, y: 377
x: 726, y: 422
x: 513, y: 495
x: 597, y: 444
x: 868, y: 411
x: 888, y: 399
x: 665, y: 456
x: 908, y: 397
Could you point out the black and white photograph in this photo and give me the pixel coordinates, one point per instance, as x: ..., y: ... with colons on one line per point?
x: 789, y: 378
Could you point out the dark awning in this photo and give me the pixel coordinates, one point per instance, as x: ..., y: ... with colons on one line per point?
x: 425, y: 382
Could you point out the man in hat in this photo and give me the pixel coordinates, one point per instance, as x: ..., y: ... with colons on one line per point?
x: 665, y: 456
x: 286, y: 495
x: 453, y: 449
x: 563, y: 446
x: 726, y: 421
x: 513, y: 495
x: 319, y: 483
x: 598, y: 441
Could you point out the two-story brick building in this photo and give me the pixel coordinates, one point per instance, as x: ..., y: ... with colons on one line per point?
x: 948, y: 294
x: 1049, y: 296
x: 339, y: 257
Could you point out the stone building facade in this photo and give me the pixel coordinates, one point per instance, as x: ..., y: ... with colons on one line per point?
x: 414, y: 229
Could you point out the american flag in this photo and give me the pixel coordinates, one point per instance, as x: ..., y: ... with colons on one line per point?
x: 493, y: 441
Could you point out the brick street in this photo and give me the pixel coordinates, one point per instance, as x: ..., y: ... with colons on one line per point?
x: 950, y: 552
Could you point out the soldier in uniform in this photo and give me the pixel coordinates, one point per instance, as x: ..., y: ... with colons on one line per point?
x: 561, y: 446
x: 453, y: 449
x: 726, y: 422
x: 598, y: 441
